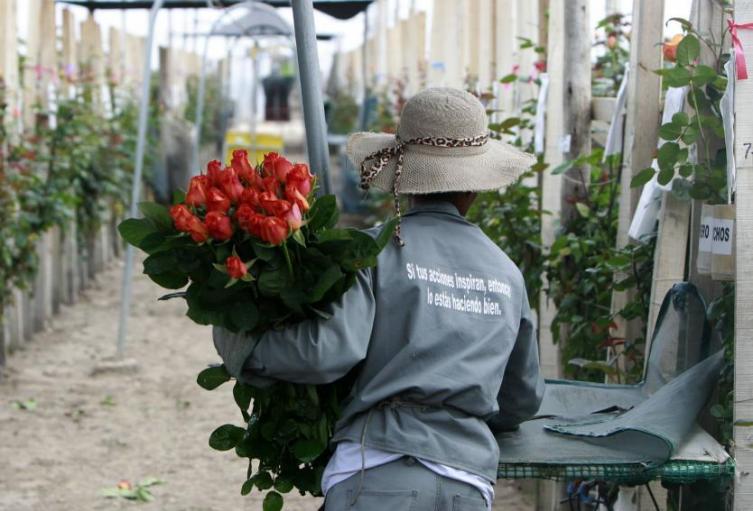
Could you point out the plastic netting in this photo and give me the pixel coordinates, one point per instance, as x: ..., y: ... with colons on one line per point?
x: 673, y: 472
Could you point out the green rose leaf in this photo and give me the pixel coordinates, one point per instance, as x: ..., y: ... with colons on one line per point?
x: 263, y: 480
x: 307, y: 450
x: 273, y: 282
x: 272, y: 502
x: 169, y: 280
x: 642, y: 177
x: 703, y: 75
x: 323, y: 213
x: 690, y: 135
x: 670, y: 131
x: 668, y: 155
x: 326, y: 280
x: 135, y: 230
x: 243, y: 315
x: 688, y: 50
x: 583, y: 209
x: 283, y: 485
x: 680, y: 118
x: 247, y: 487
x: 158, y: 214
x: 212, y: 377
x: 675, y: 76
x: 508, y: 78
x: 226, y: 437
x: 242, y: 394
x: 665, y: 176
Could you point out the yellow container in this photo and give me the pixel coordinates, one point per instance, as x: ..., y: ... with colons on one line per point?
x: 257, y: 145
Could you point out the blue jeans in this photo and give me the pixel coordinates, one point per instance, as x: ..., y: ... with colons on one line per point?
x: 403, y: 485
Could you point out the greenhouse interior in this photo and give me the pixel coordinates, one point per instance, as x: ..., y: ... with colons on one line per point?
x: 491, y: 246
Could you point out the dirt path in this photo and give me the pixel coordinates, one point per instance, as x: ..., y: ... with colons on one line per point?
x: 88, y: 432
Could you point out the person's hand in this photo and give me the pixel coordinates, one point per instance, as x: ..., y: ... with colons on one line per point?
x: 235, y: 349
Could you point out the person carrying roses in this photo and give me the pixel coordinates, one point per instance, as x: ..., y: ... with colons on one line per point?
x: 440, y: 333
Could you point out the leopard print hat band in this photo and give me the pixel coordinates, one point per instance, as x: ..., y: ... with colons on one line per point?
x: 383, y: 157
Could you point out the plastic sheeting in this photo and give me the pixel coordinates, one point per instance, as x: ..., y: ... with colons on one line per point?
x: 644, y: 425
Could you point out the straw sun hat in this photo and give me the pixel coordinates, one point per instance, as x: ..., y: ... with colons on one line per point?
x: 441, y: 145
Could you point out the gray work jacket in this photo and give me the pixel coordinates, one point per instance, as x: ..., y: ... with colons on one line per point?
x: 442, y: 324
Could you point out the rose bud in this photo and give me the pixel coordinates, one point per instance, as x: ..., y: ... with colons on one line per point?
x: 219, y: 225
x: 217, y: 201
x: 670, y: 48
x: 294, y: 218
x: 277, y: 166
x: 236, y: 268
x: 214, y: 169
x: 231, y: 185
x: 293, y: 195
x: 249, y: 220
x: 185, y: 221
x: 612, y: 41
x: 301, y: 178
x: 197, y: 191
x: 274, y: 230
x: 540, y: 66
x: 244, y: 169
x: 181, y: 217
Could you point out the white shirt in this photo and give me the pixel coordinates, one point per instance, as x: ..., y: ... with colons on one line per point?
x: 347, y: 461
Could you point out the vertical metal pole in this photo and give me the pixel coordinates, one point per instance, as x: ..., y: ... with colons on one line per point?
x: 255, y: 94
x: 200, y: 97
x: 365, y: 71
x: 311, y: 90
x: 125, y: 290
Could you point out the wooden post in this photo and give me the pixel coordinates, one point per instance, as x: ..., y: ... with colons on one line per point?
x: 641, y: 132
x: 9, y: 56
x: 743, y: 407
x: 567, y: 136
x: 70, y: 60
x: 505, y: 47
x: 91, y: 58
x: 577, y: 107
x: 552, y: 184
x: 31, y: 83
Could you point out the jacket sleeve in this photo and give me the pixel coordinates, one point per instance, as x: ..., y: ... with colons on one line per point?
x: 314, y: 351
x: 522, y: 385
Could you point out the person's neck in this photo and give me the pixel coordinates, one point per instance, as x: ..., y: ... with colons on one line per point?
x: 462, y: 200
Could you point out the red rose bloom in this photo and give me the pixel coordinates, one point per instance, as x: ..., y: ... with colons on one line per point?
x: 270, y: 184
x: 197, y: 191
x: 301, y: 178
x: 214, y: 169
x: 274, y: 230
x: 277, y: 166
x: 217, y: 201
x: 230, y: 184
x: 292, y: 194
x: 250, y: 197
x: 272, y: 205
x: 249, y: 220
x: 235, y: 267
x: 185, y: 221
x: 244, y: 169
x: 219, y: 225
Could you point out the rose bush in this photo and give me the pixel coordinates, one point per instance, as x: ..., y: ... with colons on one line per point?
x: 258, y: 251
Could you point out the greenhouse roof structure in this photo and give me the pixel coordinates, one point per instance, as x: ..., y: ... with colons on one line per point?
x: 341, y: 9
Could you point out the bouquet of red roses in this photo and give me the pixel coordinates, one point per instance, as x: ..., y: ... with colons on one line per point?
x: 257, y: 251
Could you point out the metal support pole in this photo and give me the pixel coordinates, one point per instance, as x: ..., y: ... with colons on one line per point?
x: 364, y: 121
x: 311, y: 91
x: 125, y: 289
